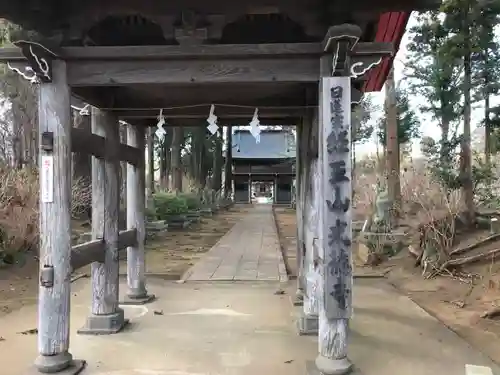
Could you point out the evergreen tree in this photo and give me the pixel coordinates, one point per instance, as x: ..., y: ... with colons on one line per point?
x: 435, y: 75
x: 486, y: 67
x: 21, y: 114
x: 408, y: 122
x: 470, y: 25
x: 361, y: 117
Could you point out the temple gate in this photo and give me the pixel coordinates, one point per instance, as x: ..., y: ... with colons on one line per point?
x: 299, y: 63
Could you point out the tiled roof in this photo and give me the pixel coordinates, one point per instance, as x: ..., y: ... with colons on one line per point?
x: 274, y: 144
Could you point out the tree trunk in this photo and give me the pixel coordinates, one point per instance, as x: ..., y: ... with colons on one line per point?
x: 487, y: 123
x: 17, y: 151
x: 217, y: 164
x: 465, y: 145
x: 487, y: 129
x: 29, y: 142
x: 392, y: 142
x: 196, y: 166
x: 17, y: 133
x: 168, y: 159
x: 163, y: 163
x: 202, y: 173
x: 445, y: 130
x: 178, y: 135
x: 228, y: 167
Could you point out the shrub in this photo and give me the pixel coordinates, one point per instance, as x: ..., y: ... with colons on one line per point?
x: 169, y: 204
x: 19, y: 197
x: 193, y: 201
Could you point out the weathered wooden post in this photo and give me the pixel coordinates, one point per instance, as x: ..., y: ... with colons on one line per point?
x: 123, y: 170
x: 299, y: 207
x: 55, y: 222
x: 335, y: 260
x: 308, y: 322
x: 275, y: 189
x: 136, y: 218
x: 150, y: 178
x: 106, y: 317
x: 249, y: 188
x: 335, y: 233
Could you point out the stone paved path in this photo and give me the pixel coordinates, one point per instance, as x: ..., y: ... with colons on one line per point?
x: 249, y: 251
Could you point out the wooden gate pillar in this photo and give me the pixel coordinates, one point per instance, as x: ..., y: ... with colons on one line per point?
x: 308, y: 321
x: 106, y: 317
x: 54, y: 113
x: 136, y: 218
x: 249, y: 188
x: 299, y: 207
x: 275, y: 189
x: 349, y: 61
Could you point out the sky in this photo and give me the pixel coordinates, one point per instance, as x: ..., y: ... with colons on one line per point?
x: 428, y: 126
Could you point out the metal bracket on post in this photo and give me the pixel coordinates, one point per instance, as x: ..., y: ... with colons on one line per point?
x: 47, y: 276
x: 47, y: 143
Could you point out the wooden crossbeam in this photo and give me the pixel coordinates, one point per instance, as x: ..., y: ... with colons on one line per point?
x: 93, y: 251
x: 117, y: 53
x: 105, y: 66
x: 187, y: 65
x: 92, y: 144
x: 174, y: 72
x: 225, y: 51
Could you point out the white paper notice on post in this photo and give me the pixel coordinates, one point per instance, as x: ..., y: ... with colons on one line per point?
x: 47, y: 179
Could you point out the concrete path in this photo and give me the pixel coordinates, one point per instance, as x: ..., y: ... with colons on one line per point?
x: 250, y: 251
x: 246, y: 329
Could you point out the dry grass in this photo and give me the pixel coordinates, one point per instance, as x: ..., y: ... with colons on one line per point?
x: 19, y: 197
x: 426, y: 207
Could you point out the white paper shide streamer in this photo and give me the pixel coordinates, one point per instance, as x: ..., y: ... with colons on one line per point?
x: 255, y: 126
x: 212, y: 121
x: 160, y: 132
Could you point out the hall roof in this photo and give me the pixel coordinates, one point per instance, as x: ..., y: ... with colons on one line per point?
x: 274, y: 144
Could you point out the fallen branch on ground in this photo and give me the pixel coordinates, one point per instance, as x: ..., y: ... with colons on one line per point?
x: 471, y: 259
x: 461, y: 250
x: 490, y: 314
x: 488, y: 213
x: 458, y: 303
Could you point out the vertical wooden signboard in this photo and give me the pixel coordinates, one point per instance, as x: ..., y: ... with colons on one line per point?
x: 336, y: 204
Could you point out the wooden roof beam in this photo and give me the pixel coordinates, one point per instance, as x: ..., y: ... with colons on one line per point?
x: 174, y: 65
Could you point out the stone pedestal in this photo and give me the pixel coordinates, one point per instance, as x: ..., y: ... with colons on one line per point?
x: 308, y: 325
x: 298, y: 298
x: 62, y: 364
x: 104, y: 324
x: 340, y: 368
x: 137, y: 299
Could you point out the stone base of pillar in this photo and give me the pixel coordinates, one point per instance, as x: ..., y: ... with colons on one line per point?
x: 308, y: 325
x: 343, y: 367
x: 62, y: 363
x: 136, y: 299
x: 104, y: 324
x: 298, y: 299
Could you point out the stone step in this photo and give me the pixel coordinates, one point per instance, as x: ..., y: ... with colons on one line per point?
x: 180, y: 224
x: 156, y: 226
x: 206, y: 211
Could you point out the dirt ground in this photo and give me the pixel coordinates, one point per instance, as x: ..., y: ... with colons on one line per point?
x: 457, y: 301
x: 168, y: 256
